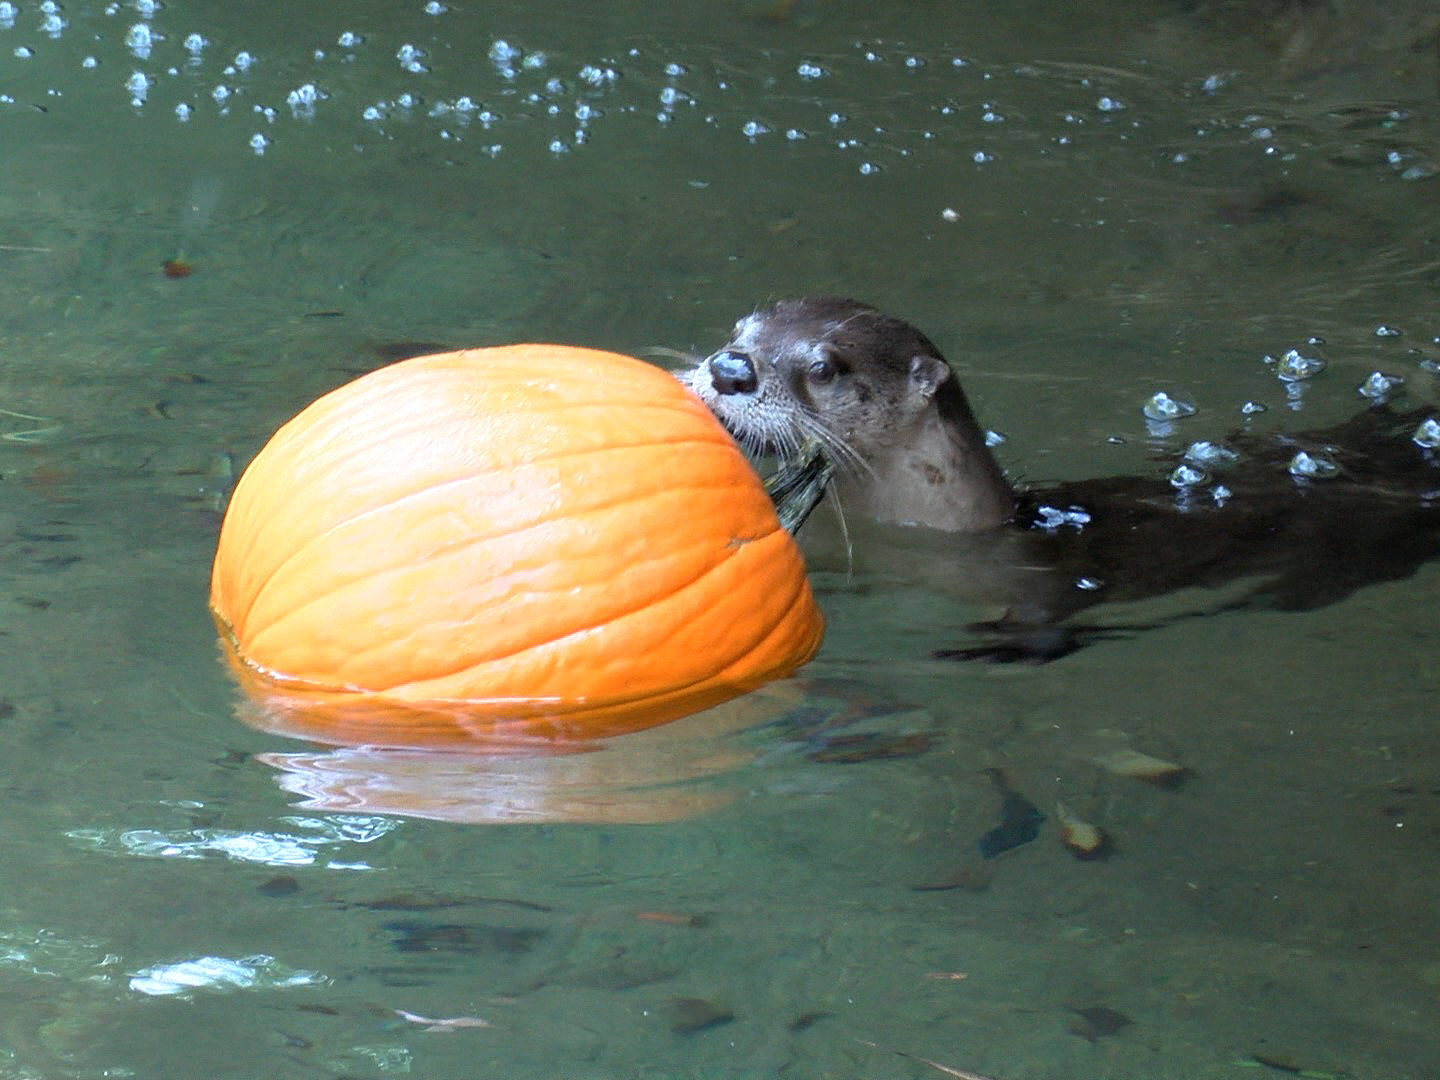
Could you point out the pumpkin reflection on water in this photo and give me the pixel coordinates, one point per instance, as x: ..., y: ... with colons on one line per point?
x: 678, y: 770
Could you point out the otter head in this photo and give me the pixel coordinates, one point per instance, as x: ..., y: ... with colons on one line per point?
x: 837, y: 371
x: 874, y: 393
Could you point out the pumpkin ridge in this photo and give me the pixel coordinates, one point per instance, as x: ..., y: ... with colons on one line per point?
x: 713, y: 564
x: 765, y: 641
x: 617, y: 617
x: 502, y: 392
x: 381, y: 436
x: 693, y: 484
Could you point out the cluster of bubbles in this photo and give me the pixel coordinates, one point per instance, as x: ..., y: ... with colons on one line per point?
x: 1293, y: 368
x: 831, y: 101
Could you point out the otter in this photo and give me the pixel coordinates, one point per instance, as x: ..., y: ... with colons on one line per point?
x: 883, y: 405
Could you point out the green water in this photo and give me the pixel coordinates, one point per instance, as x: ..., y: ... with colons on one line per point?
x: 1160, y: 198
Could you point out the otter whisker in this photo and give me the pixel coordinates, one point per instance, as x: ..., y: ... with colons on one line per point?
x: 689, y: 359
x: 839, y: 506
x: 841, y: 454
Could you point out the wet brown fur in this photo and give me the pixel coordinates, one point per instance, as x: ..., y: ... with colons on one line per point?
x: 881, y: 399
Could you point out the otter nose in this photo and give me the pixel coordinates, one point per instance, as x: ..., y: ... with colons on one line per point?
x: 732, y: 372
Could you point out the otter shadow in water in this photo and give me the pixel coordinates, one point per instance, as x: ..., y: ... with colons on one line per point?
x: 881, y: 402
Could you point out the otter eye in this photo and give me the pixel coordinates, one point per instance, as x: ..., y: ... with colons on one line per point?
x: 822, y: 371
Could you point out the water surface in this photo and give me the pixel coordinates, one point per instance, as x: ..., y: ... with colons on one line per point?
x: 1080, y: 212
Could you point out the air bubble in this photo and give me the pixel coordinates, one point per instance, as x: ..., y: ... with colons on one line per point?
x: 1253, y: 408
x: 349, y: 39
x: 410, y: 57
x: 1108, y: 105
x: 139, y: 87
x: 752, y: 129
x: 138, y: 39
x: 1379, y: 387
x: 1427, y: 435
x: 1313, y: 467
x: 597, y: 76
x: 1210, y: 455
x: 1386, y: 331
x: 258, y: 142
x: 302, y: 99
x: 807, y: 70
x: 1162, y: 406
x: 434, y: 7
x: 1293, y: 366
x: 243, y: 61
x: 1188, y: 476
x: 502, y: 52
x: 194, y: 44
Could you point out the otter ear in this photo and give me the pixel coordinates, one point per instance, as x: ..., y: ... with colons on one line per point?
x: 927, y: 374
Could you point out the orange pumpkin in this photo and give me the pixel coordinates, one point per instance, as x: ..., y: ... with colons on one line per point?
x: 506, y: 544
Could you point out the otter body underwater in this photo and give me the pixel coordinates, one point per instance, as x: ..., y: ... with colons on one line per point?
x: 884, y: 407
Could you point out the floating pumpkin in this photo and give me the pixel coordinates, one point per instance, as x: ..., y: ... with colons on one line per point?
x: 506, y: 544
